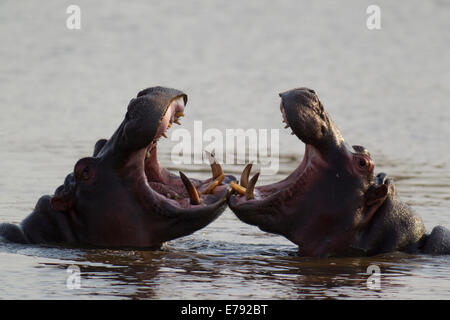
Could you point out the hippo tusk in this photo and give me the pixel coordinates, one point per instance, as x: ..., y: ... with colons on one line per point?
x: 251, y: 187
x: 179, y: 114
x: 239, y: 189
x: 177, y: 122
x: 245, y: 174
x: 210, y: 188
x: 215, y: 166
x: 192, y: 191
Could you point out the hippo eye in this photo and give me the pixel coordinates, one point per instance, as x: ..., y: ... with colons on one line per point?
x: 362, y: 163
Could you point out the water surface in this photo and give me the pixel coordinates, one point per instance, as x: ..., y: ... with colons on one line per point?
x: 61, y: 90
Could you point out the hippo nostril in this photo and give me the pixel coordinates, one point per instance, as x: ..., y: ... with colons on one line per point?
x: 86, y: 173
x: 381, y: 175
x: 382, y: 178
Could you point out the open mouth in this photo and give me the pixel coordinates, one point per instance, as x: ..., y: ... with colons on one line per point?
x: 180, y: 191
x: 246, y: 192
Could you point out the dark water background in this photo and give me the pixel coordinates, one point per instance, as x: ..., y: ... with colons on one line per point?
x: 61, y: 90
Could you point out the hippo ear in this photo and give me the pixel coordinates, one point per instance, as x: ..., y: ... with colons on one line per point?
x: 374, y: 198
x: 98, y: 146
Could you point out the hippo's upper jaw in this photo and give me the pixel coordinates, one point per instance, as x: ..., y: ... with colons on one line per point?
x: 328, y: 198
x: 122, y: 197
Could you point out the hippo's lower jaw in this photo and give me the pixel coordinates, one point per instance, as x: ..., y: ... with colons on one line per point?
x: 173, y: 206
x: 276, y: 207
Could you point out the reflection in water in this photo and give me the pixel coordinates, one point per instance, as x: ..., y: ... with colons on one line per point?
x: 244, y: 272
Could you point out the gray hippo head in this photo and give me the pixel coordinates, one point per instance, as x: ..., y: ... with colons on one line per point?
x: 122, y: 197
x: 331, y: 205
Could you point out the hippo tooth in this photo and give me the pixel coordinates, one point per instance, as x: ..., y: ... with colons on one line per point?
x: 239, y: 189
x: 177, y: 122
x: 169, y: 125
x: 251, y: 187
x: 147, y: 154
x: 179, y: 114
x: 286, y: 126
x: 192, y: 191
x: 215, y: 166
x: 210, y: 188
x: 164, y: 135
x: 245, y: 174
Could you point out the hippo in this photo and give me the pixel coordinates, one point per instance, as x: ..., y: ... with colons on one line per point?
x: 121, y: 197
x: 332, y: 204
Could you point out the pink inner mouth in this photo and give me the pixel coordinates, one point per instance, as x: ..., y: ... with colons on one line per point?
x: 298, y: 179
x: 311, y: 164
x: 159, y: 179
x: 176, y: 107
